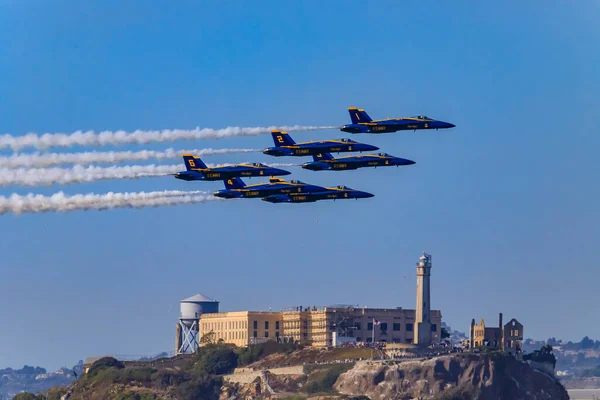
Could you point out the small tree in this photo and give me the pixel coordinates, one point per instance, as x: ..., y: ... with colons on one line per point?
x: 445, y: 333
x: 208, y: 338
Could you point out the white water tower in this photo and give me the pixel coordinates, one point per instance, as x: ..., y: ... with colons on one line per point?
x: 187, y: 332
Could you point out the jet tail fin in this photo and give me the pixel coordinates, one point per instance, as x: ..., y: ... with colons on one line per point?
x: 282, y: 139
x: 322, y: 156
x: 234, y: 183
x: 192, y: 162
x: 358, y: 115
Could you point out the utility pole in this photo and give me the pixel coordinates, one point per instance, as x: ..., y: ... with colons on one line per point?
x: 372, y: 336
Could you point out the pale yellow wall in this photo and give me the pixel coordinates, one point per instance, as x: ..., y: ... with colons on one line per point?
x: 312, y: 326
x: 238, y: 327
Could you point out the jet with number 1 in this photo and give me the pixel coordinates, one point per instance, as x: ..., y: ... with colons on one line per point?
x: 362, y: 123
x: 325, y: 161
x: 286, y: 146
x: 196, y: 170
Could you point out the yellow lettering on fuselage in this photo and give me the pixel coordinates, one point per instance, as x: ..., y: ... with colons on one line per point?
x: 334, y: 149
x: 302, y: 151
x: 340, y: 166
x: 213, y: 175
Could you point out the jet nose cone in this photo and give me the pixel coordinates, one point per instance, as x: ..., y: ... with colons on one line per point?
x: 283, y: 172
x: 403, y: 161
x: 367, y: 194
x: 369, y: 147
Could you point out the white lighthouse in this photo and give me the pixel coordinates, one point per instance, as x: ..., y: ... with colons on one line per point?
x: 423, y: 308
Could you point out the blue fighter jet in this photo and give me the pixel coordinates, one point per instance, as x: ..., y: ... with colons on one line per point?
x: 362, y: 123
x: 339, y: 192
x: 326, y: 161
x: 235, y: 188
x: 286, y: 146
x: 196, y: 170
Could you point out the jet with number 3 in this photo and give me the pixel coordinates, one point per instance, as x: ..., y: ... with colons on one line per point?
x: 286, y: 146
x: 196, y: 170
x: 362, y: 123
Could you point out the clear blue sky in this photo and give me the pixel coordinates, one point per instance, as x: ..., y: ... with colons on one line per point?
x: 506, y: 202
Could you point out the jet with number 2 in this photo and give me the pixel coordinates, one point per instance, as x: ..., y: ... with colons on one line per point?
x: 329, y: 193
x: 196, y: 170
x: 362, y: 123
x: 235, y: 188
x: 286, y: 146
x: 325, y: 161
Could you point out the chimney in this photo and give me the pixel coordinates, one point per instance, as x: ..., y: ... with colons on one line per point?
x: 500, y: 320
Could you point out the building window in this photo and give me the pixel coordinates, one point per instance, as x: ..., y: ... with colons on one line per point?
x: 255, y: 324
x: 409, y: 327
x: 255, y: 334
x: 433, y: 327
x: 516, y: 332
x: 266, y: 324
x: 276, y: 324
x: 357, y: 326
x: 383, y: 326
x: 396, y: 327
x: 370, y: 326
x: 266, y: 334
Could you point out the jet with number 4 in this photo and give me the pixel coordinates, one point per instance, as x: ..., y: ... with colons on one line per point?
x: 362, y: 123
x: 196, y: 170
x: 329, y: 193
x: 235, y: 188
x: 325, y: 161
x: 286, y: 146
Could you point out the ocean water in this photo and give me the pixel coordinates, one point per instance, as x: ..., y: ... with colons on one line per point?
x: 584, y: 394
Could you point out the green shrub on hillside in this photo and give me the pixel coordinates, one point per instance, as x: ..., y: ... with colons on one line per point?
x: 142, y: 375
x: 309, y: 368
x: 253, y: 353
x: 205, y: 387
x: 28, y: 396
x: 56, y: 393
x: 216, y: 359
x: 130, y: 395
x: 323, y: 380
x: 104, y: 363
x: 167, y: 377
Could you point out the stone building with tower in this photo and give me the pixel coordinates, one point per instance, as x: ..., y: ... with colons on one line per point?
x: 506, y: 337
x: 312, y: 325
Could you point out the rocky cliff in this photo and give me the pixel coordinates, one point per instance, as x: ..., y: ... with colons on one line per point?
x: 459, y: 376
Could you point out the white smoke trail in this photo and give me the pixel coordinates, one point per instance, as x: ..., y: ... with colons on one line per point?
x: 90, y: 157
x: 104, y: 138
x: 79, y: 174
x: 35, y: 203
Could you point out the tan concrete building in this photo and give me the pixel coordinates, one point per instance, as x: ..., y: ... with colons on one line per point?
x: 507, y: 337
x: 240, y: 327
x: 320, y: 327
